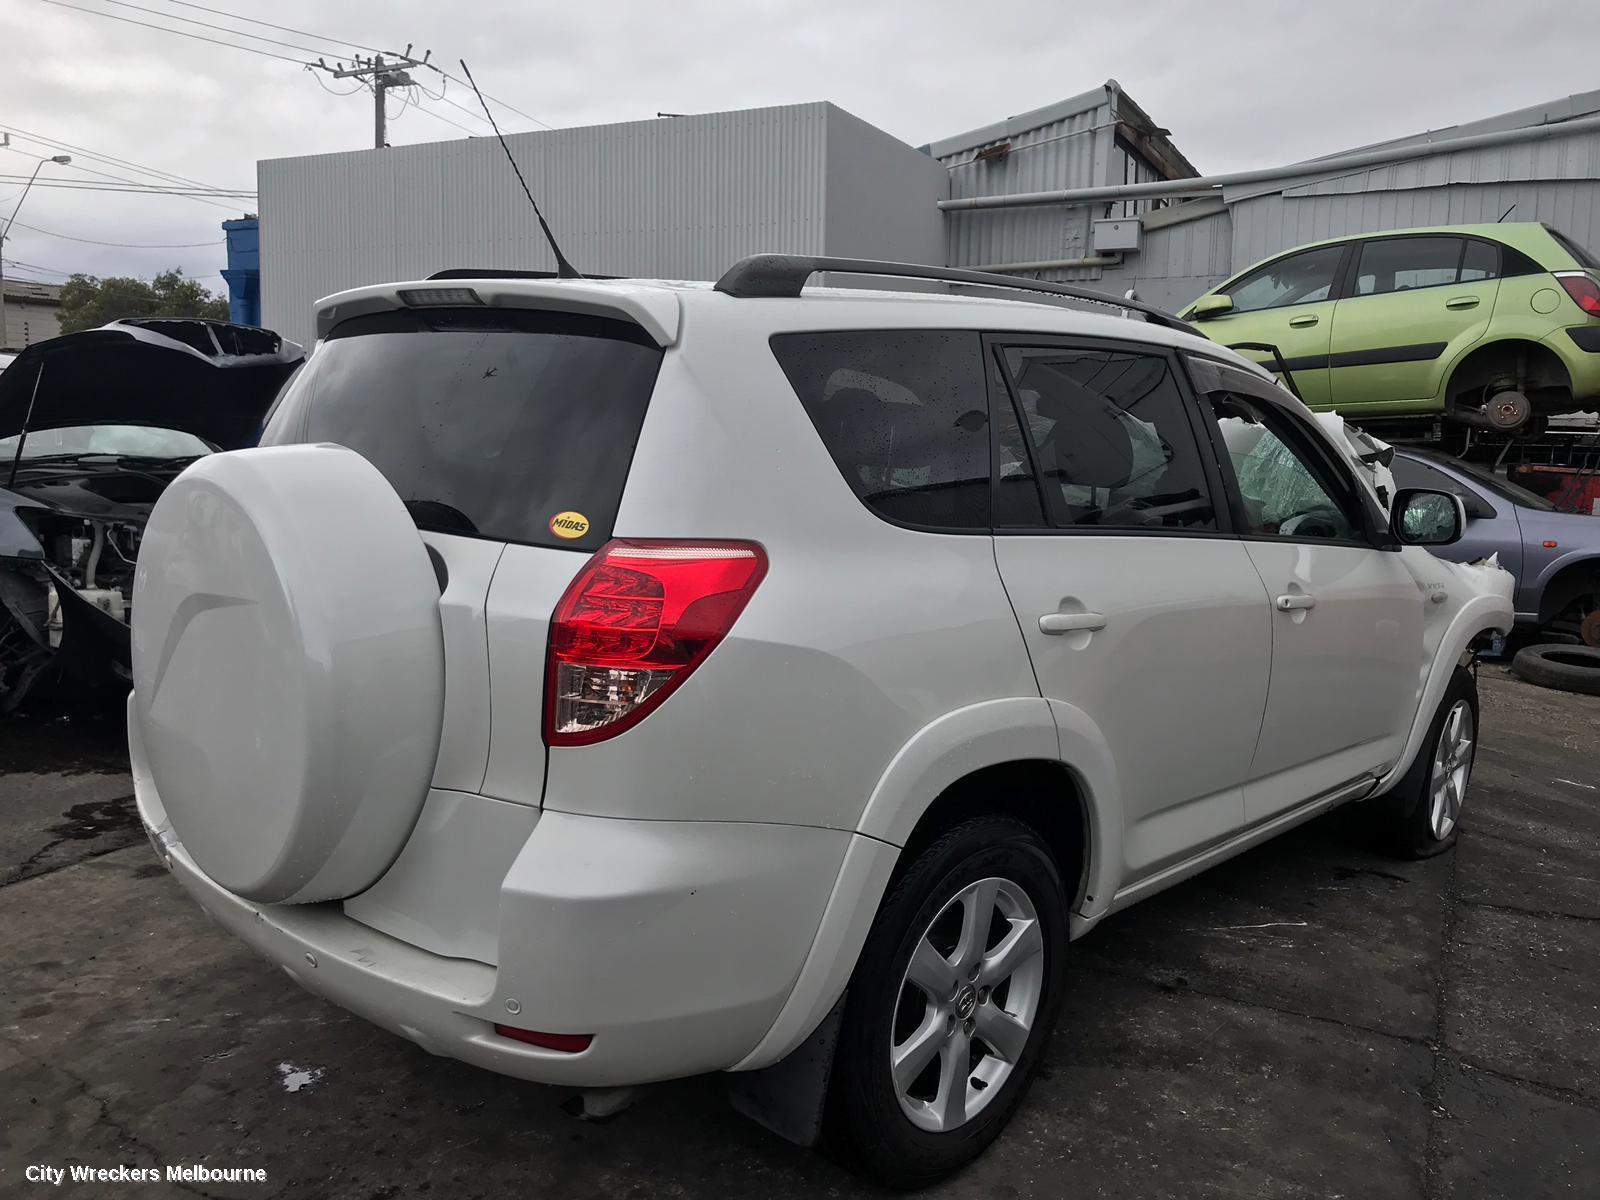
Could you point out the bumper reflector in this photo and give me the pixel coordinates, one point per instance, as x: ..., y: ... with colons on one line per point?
x: 566, y: 1043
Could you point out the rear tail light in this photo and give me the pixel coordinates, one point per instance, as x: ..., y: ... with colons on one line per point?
x: 1583, y: 289
x: 638, y: 619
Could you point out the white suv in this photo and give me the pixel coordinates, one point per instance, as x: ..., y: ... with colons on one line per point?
x: 611, y: 681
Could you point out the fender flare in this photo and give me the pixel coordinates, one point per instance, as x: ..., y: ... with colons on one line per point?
x: 1476, y: 615
x: 947, y: 749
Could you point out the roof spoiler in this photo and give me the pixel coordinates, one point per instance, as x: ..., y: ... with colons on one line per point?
x: 784, y: 275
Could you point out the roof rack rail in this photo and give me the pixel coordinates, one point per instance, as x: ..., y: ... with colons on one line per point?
x: 784, y: 275
x: 500, y: 273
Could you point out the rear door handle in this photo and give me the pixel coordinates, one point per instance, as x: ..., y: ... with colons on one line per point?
x: 1295, y: 601
x: 1461, y: 302
x: 1060, y: 622
x: 1304, y: 321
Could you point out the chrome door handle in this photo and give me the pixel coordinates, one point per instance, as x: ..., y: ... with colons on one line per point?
x: 1461, y: 302
x: 1060, y: 622
x: 1295, y: 601
x: 1305, y: 321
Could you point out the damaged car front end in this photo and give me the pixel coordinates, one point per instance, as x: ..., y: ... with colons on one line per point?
x: 93, y: 427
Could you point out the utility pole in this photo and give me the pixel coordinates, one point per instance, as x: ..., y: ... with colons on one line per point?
x: 380, y: 76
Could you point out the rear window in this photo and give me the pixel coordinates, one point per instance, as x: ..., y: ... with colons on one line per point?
x: 507, y: 424
x: 905, y: 414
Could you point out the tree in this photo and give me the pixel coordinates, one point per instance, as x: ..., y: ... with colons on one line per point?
x: 87, y: 302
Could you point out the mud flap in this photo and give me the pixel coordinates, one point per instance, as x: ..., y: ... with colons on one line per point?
x: 789, y: 1096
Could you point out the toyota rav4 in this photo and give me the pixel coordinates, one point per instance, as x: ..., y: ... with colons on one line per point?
x: 611, y: 681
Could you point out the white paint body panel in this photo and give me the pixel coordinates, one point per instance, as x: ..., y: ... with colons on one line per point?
x: 1174, y: 684
x: 695, y: 892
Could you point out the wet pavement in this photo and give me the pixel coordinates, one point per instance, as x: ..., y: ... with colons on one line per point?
x: 1309, y: 1020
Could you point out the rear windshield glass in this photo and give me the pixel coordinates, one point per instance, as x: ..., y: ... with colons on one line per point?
x: 507, y: 424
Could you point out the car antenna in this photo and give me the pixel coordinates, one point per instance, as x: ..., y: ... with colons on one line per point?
x: 1507, y: 212
x: 22, y: 434
x: 564, y: 269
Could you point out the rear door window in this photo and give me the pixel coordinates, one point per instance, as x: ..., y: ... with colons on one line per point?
x: 1403, y: 264
x: 905, y: 415
x: 1111, y: 436
x: 509, y: 424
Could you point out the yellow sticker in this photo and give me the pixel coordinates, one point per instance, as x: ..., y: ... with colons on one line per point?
x: 569, y: 524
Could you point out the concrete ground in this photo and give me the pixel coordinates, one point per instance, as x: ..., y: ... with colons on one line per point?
x: 1310, y: 1020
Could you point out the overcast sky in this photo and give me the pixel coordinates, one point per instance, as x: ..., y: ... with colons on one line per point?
x: 1240, y: 83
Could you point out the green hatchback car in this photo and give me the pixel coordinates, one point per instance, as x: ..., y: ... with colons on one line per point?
x: 1495, y: 326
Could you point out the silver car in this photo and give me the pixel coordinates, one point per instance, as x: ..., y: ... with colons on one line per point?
x: 1555, y: 556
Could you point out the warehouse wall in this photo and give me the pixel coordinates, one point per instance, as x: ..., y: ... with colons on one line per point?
x: 1556, y: 181
x: 673, y: 198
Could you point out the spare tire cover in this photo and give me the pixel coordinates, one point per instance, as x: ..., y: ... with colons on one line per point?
x: 288, y: 669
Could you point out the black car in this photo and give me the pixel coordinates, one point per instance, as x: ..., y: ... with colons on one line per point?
x: 93, y: 426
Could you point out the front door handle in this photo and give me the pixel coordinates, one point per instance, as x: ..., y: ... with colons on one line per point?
x: 1461, y: 302
x: 1295, y: 601
x: 1060, y: 622
x: 1304, y: 321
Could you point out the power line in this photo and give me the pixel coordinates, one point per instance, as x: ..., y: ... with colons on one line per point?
x: 90, y: 185
x: 428, y: 112
x: 220, y: 28
x: 122, y: 179
x: 67, y: 237
x: 486, y: 96
x: 176, y: 32
x: 111, y: 159
x: 280, y: 28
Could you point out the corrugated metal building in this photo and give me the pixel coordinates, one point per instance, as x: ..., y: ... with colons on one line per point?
x: 1098, y: 138
x: 680, y: 198
x: 1537, y: 170
x: 685, y: 197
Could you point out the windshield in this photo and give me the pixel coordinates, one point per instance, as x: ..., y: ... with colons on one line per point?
x: 134, y: 441
x: 1504, y: 488
x: 508, y: 424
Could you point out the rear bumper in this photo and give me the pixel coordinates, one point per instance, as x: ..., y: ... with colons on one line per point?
x: 675, y: 944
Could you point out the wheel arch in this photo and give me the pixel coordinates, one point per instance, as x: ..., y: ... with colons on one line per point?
x: 950, y: 770
x: 1535, y: 367
x: 1567, y: 579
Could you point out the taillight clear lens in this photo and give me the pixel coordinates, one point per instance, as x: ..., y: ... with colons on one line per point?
x: 1583, y: 289
x: 639, y: 617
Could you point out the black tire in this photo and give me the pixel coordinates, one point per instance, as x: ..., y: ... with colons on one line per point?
x: 1404, y: 812
x: 864, y: 1123
x: 1566, y: 668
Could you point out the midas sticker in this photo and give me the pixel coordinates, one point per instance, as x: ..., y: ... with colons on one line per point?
x: 569, y: 524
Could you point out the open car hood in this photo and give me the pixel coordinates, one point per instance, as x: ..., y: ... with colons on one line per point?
x: 208, y: 378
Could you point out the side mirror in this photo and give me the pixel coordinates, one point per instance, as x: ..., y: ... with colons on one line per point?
x: 1427, y: 518
x: 1215, y: 305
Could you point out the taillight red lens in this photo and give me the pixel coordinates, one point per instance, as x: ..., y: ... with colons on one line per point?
x: 1583, y: 289
x: 639, y: 617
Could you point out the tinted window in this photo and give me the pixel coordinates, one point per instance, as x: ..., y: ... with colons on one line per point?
x: 1401, y: 264
x: 904, y: 414
x: 487, y: 422
x: 1482, y: 261
x: 1298, y: 279
x: 1111, y: 439
x: 1281, y: 490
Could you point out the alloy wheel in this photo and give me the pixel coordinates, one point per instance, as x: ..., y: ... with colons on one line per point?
x: 967, y: 1004
x: 1452, y: 764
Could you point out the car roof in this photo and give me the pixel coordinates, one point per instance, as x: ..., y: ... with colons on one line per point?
x: 661, y: 305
